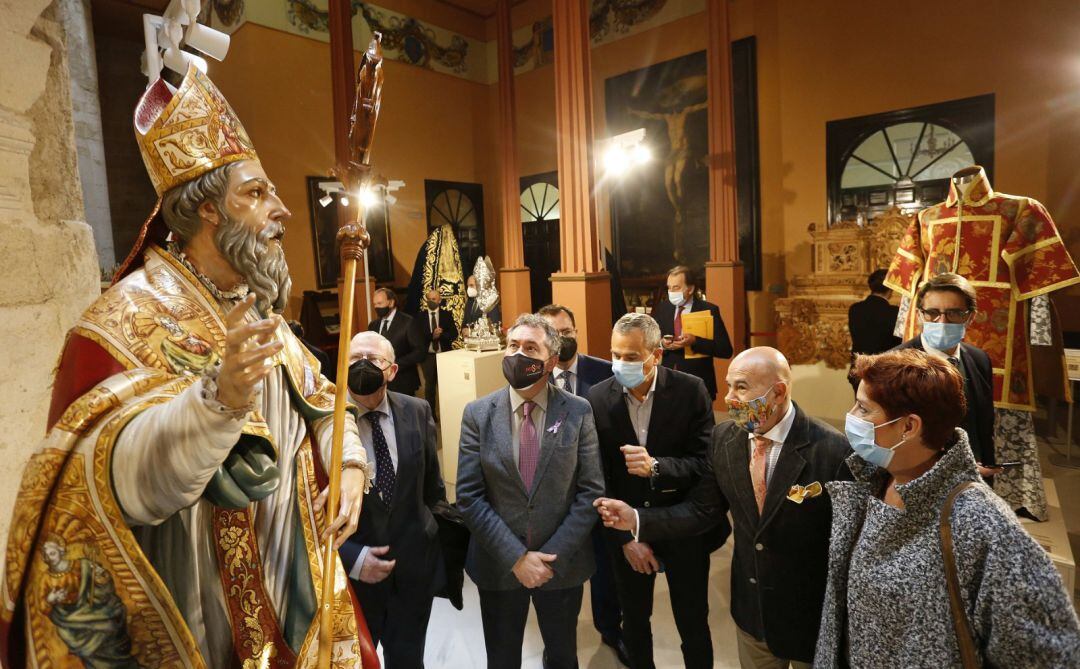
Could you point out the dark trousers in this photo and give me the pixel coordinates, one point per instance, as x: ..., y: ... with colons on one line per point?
x: 686, y: 566
x: 607, y: 616
x: 504, y: 613
x: 397, y: 620
x: 431, y: 383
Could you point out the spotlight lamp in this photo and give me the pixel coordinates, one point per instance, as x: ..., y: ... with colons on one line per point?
x: 367, y: 197
x: 344, y: 200
x: 325, y: 200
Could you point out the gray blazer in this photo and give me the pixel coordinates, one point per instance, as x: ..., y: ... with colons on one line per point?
x: 506, y: 520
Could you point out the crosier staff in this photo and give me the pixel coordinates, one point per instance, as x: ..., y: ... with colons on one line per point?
x: 354, y: 240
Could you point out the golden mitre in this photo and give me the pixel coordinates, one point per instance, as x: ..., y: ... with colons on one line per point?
x: 185, y: 134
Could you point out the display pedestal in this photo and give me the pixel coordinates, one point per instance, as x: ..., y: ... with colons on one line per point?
x: 463, y: 376
x: 1053, y: 536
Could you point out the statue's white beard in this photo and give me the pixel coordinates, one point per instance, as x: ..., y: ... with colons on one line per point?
x: 260, y: 262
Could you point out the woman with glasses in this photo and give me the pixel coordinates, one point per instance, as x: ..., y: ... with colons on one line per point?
x: 946, y: 305
x: 888, y: 601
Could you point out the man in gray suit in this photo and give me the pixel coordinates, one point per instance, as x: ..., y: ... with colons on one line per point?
x: 528, y: 473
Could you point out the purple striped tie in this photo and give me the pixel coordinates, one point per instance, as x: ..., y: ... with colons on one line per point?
x: 528, y: 446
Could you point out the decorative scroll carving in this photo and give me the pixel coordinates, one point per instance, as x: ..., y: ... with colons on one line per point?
x: 811, y: 322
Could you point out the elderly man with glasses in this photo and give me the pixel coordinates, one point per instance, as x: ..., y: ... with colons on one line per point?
x: 394, y: 558
x: 947, y: 304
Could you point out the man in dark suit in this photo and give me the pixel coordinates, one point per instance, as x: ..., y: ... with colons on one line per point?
x: 946, y: 305
x: 473, y: 312
x: 576, y: 373
x: 438, y: 329
x: 872, y: 321
x: 528, y: 473
x: 681, y: 287
x: 407, y: 340
x: 394, y: 558
x: 768, y: 466
x: 653, y: 425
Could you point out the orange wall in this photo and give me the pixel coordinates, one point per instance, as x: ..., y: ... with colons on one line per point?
x: 854, y: 58
x: 816, y: 62
x: 432, y: 126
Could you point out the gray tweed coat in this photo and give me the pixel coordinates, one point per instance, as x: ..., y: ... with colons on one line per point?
x: 886, y: 603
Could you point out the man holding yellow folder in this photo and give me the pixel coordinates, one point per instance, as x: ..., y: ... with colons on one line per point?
x: 693, y: 331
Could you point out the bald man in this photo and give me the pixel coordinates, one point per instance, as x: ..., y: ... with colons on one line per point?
x: 768, y: 465
x: 394, y: 559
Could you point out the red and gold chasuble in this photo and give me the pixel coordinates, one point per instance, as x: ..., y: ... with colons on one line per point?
x: 1009, y: 249
x: 77, y: 587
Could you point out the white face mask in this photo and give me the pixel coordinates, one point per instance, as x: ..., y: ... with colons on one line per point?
x: 470, y: 291
x: 677, y: 298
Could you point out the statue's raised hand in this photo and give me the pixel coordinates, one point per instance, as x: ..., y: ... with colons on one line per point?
x: 247, y: 347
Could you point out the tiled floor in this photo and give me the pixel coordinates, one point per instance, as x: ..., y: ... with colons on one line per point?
x: 456, y: 638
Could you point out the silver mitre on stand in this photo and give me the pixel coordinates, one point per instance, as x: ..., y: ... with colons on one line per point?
x: 485, y: 335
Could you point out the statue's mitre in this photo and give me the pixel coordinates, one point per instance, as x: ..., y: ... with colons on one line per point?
x: 185, y: 134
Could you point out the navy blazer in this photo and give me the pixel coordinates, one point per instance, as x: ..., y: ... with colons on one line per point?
x: 407, y: 524
x: 718, y: 347
x: 590, y: 371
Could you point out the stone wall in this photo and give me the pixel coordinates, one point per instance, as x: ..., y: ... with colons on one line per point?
x: 48, y: 266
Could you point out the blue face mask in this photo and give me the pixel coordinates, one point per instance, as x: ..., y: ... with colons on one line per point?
x: 629, y: 374
x: 860, y: 433
x: 677, y: 299
x: 943, y: 336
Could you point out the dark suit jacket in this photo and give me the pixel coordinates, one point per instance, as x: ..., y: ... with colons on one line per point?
x: 871, y: 323
x: 718, y: 347
x: 410, y: 348
x: 505, y: 519
x: 979, y: 392
x: 679, y: 428
x: 590, y: 371
x: 446, y: 322
x: 407, y: 525
x: 778, y: 571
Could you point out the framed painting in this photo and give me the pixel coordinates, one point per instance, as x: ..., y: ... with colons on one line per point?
x: 325, y: 222
x: 660, y: 210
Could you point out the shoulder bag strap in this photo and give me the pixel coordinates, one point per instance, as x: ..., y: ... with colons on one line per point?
x: 969, y: 657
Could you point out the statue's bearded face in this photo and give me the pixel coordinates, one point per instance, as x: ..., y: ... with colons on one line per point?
x: 250, y: 233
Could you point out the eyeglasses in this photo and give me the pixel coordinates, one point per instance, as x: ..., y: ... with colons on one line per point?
x: 951, y: 315
x: 378, y: 361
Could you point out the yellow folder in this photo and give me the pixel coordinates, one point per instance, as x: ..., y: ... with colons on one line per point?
x: 699, y: 324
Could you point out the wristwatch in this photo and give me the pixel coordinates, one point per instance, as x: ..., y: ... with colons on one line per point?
x: 655, y: 469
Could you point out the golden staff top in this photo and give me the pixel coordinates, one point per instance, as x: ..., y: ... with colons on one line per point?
x: 354, y: 239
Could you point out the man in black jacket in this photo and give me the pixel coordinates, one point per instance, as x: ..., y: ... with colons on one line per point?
x: 407, y: 340
x: 872, y: 321
x: 438, y: 329
x: 653, y: 425
x: 394, y: 559
x: 768, y: 466
x: 946, y: 305
x: 681, y: 289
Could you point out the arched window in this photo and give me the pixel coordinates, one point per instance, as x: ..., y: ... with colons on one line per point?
x: 905, y: 158
x: 539, y: 202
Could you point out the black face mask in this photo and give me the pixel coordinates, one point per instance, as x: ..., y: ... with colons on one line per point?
x: 521, y: 371
x: 567, y: 348
x: 365, y: 378
x: 382, y: 312
x: 432, y: 305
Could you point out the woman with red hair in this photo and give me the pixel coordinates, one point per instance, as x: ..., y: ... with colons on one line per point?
x: 918, y: 507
